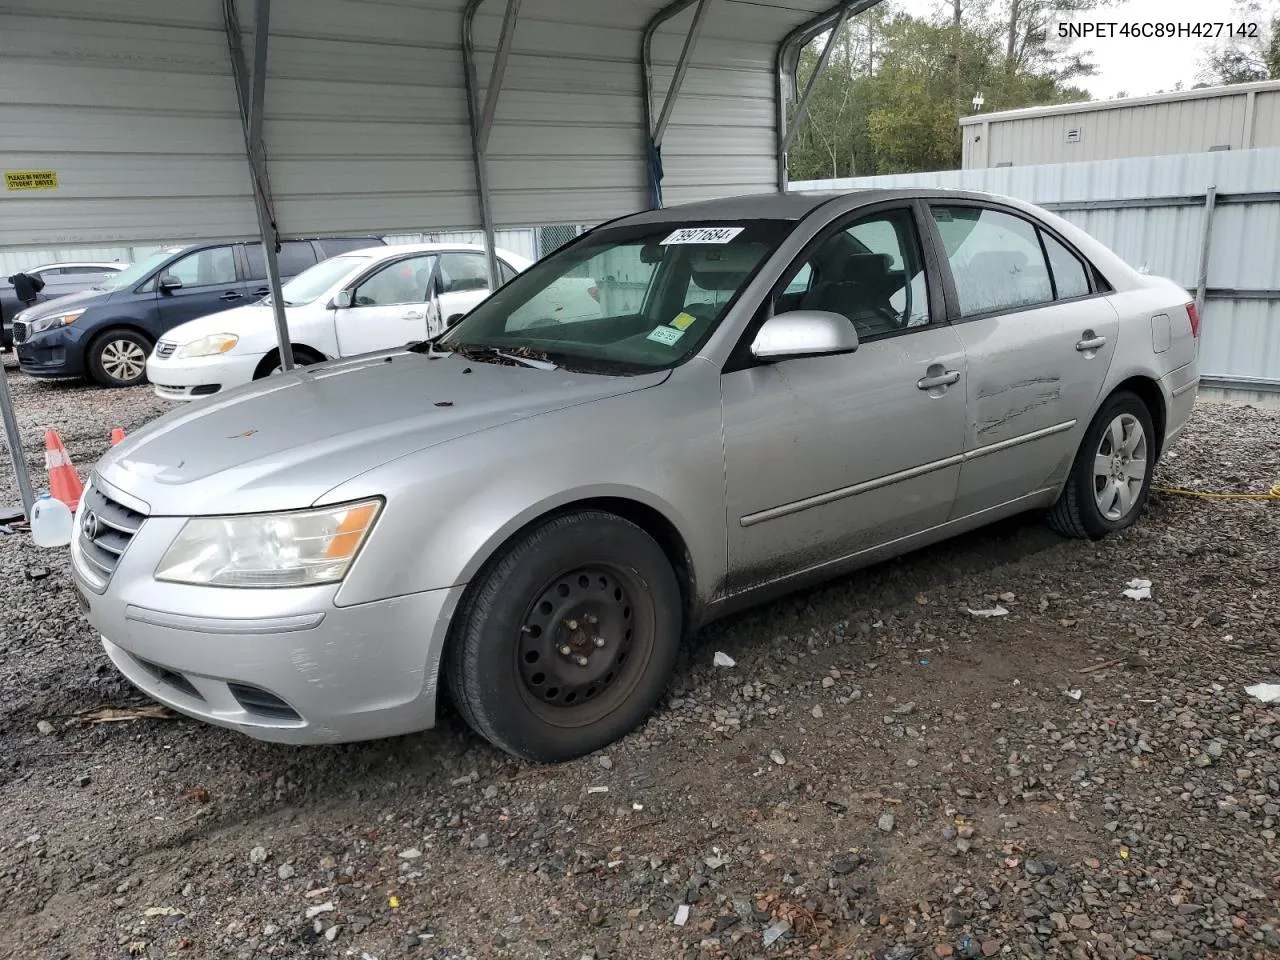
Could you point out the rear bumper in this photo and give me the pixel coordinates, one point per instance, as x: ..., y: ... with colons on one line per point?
x: 1179, y: 388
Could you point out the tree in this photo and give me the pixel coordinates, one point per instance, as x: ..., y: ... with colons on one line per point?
x: 1031, y: 40
x: 1246, y: 59
x: 896, y: 85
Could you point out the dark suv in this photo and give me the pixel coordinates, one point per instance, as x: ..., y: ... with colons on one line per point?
x: 106, y: 333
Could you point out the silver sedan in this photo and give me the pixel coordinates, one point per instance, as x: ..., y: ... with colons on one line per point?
x: 530, y: 511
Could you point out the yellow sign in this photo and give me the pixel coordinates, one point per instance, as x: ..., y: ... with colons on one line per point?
x: 683, y: 321
x: 31, y: 179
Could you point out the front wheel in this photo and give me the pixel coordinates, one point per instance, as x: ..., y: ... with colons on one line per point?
x: 118, y: 358
x: 567, y: 639
x: 1111, y: 476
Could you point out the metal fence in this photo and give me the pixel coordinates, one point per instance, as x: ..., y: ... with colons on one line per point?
x: 1210, y: 221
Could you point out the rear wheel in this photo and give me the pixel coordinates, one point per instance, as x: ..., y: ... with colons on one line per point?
x: 567, y: 639
x: 1111, y: 477
x: 118, y: 358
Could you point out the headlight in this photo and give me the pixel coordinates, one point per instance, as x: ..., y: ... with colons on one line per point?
x: 209, y: 346
x: 269, y: 550
x: 57, y: 320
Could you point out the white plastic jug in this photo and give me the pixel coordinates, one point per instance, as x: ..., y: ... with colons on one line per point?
x: 51, y: 522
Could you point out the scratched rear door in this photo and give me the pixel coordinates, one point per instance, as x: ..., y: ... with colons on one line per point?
x: 1039, y: 336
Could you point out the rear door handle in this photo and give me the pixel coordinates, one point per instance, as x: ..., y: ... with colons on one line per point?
x: 231, y: 295
x: 941, y: 380
x: 1095, y: 343
x: 262, y: 292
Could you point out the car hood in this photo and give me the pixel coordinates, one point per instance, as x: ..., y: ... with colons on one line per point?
x: 283, y: 442
x: 85, y: 298
x: 237, y: 320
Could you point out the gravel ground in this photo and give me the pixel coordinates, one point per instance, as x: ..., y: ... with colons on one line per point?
x: 881, y: 774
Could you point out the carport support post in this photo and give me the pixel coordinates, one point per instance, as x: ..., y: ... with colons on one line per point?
x: 1206, y: 238
x: 482, y: 117
x: 802, y: 109
x: 656, y: 131
x: 251, y: 116
x: 14, y: 438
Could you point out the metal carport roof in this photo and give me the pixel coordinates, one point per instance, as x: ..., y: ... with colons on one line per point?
x: 386, y: 115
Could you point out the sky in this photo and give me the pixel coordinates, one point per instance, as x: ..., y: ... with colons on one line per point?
x: 1132, y: 65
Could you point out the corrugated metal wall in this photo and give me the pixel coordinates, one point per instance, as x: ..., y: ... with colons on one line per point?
x: 1241, y: 338
x: 133, y: 104
x: 1240, y: 118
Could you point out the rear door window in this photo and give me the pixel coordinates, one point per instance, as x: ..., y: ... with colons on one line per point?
x: 294, y: 257
x: 995, y: 258
x: 1069, y: 276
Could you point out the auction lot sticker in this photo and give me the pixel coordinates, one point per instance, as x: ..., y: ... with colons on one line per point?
x: 31, y: 179
x: 703, y: 235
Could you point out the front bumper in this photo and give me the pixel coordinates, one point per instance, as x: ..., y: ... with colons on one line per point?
x: 282, y: 665
x: 175, y: 379
x: 49, y: 360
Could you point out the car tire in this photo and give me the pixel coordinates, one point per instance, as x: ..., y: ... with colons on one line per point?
x: 1110, y: 479
x: 588, y: 582
x: 270, y: 365
x: 118, y: 358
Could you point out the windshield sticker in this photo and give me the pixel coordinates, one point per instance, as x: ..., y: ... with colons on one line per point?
x: 702, y: 235
x: 668, y: 335
x: 682, y: 321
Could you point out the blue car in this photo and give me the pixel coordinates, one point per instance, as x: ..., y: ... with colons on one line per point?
x: 107, y: 332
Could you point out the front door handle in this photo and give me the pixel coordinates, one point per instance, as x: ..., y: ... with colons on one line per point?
x: 944, y: 379
x: 231, y: 295
x: 414, y: 315
x: 1091, y: 343
x: 262, y: 292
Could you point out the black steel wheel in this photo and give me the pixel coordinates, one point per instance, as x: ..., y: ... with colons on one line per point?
x: 567, y: 639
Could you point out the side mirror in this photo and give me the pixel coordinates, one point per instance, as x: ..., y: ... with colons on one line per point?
x: 453, y: 321
x: 804, y: 333
x: 169, y: 282
x: 341, y: 300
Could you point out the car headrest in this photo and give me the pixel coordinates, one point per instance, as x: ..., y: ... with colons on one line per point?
x: 998, y: 261
x: 866, y: 267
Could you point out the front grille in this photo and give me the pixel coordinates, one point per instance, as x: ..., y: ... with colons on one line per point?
x: 112, y: 526
x: 19, y: 331
x: 261, y: 702
x: 165, y: 349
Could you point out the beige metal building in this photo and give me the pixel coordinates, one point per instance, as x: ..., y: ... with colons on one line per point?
x: 1238, y: 117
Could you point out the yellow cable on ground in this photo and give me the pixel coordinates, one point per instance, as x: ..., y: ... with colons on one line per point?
x: 1272, y: 494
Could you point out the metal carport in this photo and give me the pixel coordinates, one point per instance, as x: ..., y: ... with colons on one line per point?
x: 385, y: 115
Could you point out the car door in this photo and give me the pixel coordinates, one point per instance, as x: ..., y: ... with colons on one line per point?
x: 209, y: 283
x: 1039, y: 337
x: 464, y: 283
x: 388, y: 307
x: 827, y: 457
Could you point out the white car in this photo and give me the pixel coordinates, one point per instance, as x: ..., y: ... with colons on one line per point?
x: 359, y: 302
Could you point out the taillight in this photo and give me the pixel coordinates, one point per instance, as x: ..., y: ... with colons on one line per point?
x: 1194, y: 315
x: 594, y: 293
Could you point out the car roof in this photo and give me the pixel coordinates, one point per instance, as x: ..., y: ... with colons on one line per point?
x: 788, y: 206
x: 106, y: 265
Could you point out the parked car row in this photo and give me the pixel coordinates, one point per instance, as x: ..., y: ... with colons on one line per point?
x: 358, y: 302
x: 106, y: 332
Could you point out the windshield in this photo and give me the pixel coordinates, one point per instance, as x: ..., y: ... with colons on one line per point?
x: 138, y: 271
x: 314, y: 282
x: 624, y: 300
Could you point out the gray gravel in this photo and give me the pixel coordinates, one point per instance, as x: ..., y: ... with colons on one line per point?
x: 881, y: 774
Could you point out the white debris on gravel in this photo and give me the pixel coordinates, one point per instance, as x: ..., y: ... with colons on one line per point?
x: 1266, y: 692
x: 988, y: 612
x: 722, y: 659
x: 1138, y: 590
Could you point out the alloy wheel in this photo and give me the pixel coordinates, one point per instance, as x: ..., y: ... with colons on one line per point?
x: 1120, y: 467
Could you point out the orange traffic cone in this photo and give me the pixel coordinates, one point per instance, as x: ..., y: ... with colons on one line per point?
x: 117, y: 435
x: 64, y: 483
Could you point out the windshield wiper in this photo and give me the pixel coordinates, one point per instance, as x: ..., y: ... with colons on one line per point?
x: 520, y: 356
